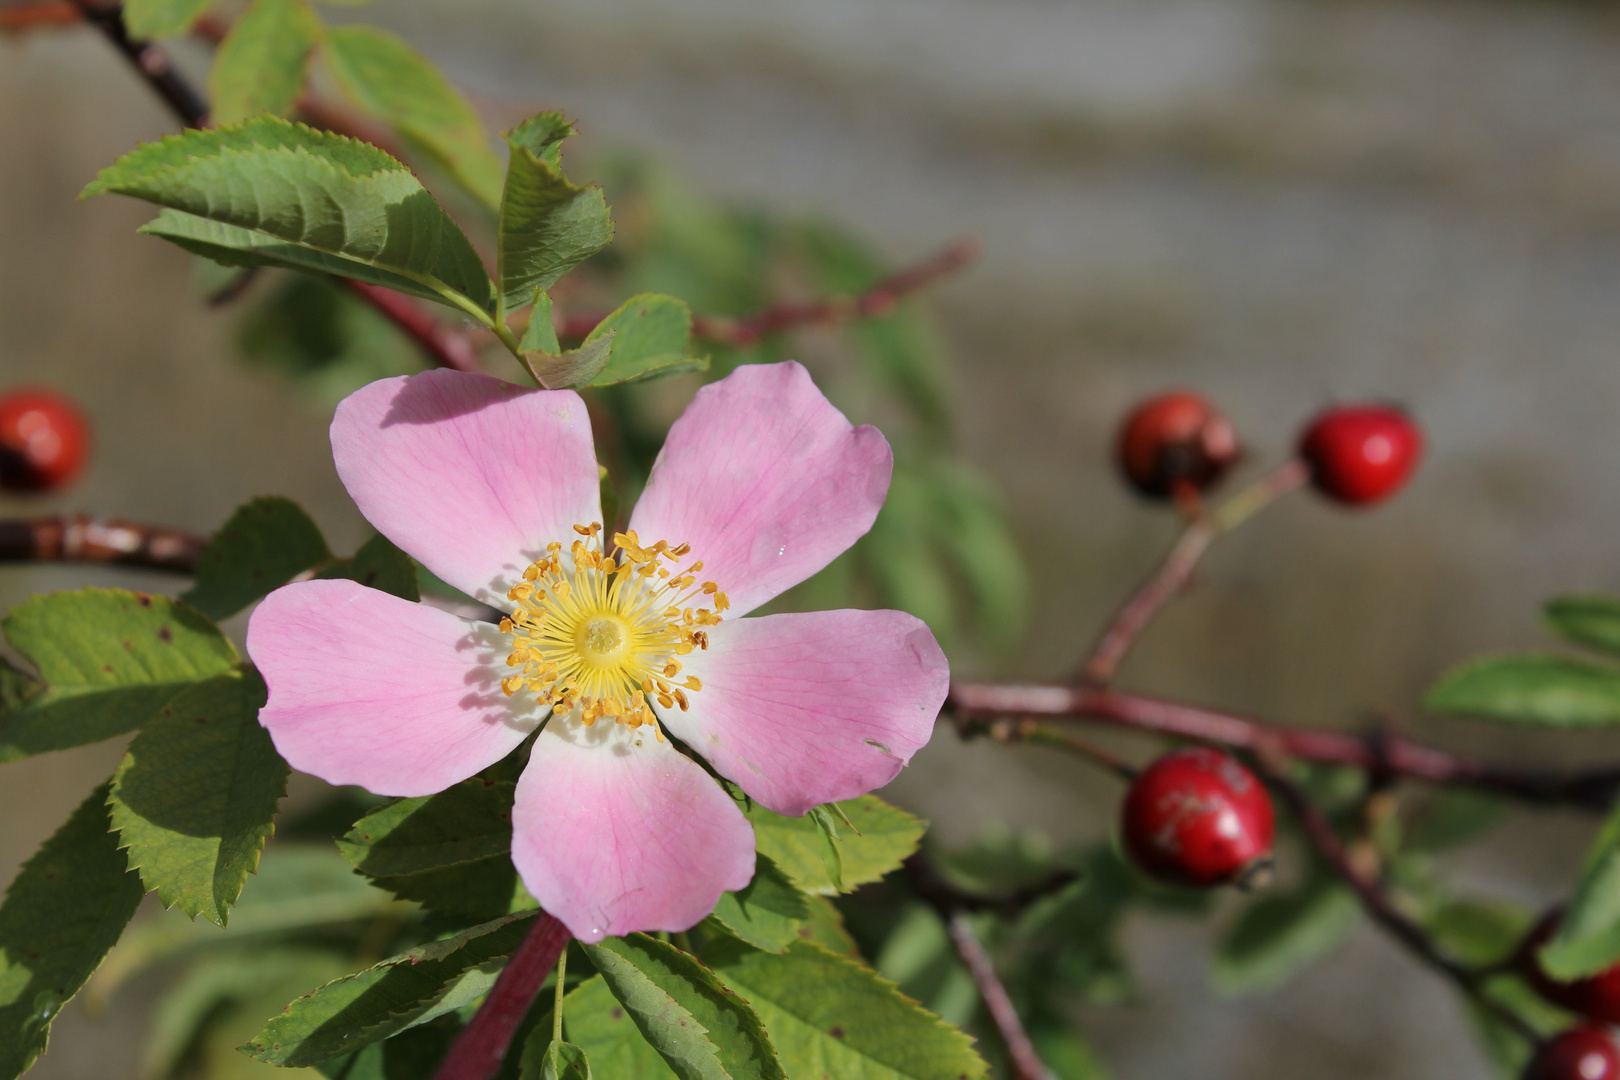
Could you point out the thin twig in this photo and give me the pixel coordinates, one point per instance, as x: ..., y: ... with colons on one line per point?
x: 16, y: 18
x: 1027, y: 1064
x: 81, y: 538
x: 479, y: 1050
x: 1377, y: 904
x: 151, y: 62
x: 1172, y: 575
x: 747, y: 330
x: 1009, y: 729
x: 975, y: 705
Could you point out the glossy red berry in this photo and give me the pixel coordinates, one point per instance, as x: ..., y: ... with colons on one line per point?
x: 1596, y: 997
x: 44, y: 440
x: 1361, y: 454
x: 1583, y: 1053
x: 1173, y: 441
x: 1198, y: 817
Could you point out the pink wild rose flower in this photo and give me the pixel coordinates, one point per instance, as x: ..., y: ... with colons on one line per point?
x: 494, y: 488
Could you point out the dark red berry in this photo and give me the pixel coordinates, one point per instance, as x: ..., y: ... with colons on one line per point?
x: 44, y: 440
x: 1361, y: 454
x: 1198, y: 817
x: 1175, y: 441
x: 1596, y: 997
x: 1583, y: 1053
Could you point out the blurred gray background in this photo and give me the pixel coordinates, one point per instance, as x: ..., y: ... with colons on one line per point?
x: 1279, y: 202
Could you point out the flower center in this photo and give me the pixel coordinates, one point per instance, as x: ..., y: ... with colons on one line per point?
x: 605, y: 635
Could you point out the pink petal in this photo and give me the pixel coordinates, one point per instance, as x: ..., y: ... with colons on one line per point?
x: 800, y: 710
x: 766, y: 480
x: 369, y: 689
x: 615, y: 831
x: 471, y: 476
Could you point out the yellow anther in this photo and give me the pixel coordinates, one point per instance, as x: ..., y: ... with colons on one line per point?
x: 721, y: 603
x: 506, y: 625
x: 680, y: 699
x: 710, y: 588
x: 693, y: 683
x: 582, y: 530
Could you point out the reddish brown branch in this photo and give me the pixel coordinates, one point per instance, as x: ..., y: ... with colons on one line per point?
x: 1027, y: 1064
x: 1378, y: 905
x: 81, y: 538
x: 880, y: 299
x: 151, y: 62
x: 42, y: 14
x: 479, y: 1050
x: 1387, y: 753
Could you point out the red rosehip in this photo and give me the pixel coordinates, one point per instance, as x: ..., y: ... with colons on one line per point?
x: 1583, y: 1053
x: 1596, y: 997
x: 1361, y: 454
x: 1173, y: 441
x: 1198, y: 817
x: 44, y: 439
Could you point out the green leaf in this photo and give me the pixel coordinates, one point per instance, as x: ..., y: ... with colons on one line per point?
x: 768, y: 913
x: 485, y: 890
x: 1278, y: 935
x: 832, y: 853
x: 703, y: 1030
x: 359, y: 1009
x: 548, y: 225
x: 196, y: 794
x: 63, y: 912
x: 311, y: 330
x: 830, y: 1016
x: 573, y: 369
x: 1068, y: 1055
x: 378, y: 565
x: 825, y: 927
x: 1588, y: 938
x: 540, y: 335
x: 337, y: 205
x: 1451, y: 818
x: 385, y: 77
x: 1478, y: 933
x: 109, y: 660
x: 920, y: 959
x: 595, y: 1022
x: 1587, y: 620
x: 162, y: 18
x: 259, y: 67
x: 264, y: 545
x: 554, y: 1060
x: 887, y: 835
x: 464, y: 823
x: 1558, y: 691
x: 650, y: 335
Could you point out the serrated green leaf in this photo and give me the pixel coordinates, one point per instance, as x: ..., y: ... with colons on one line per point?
x: 260, y: 65
x: 825, y: 927
x: 574, y: 369
x: 1588, y: 938
x: 832, y: 853
x: 651, y: 334
x: 595, y: 1021
x: 703, y: 1030
x: 830, y: 1016
x: 887, y: 835
x: 920, y: 959
x: 385, y: 77
x: 768, y: 913
x: 109, y: 660
x: 162, y: 18
x: 548, y: 224
x: 1278, y: 935
x: 1478, y: 933
x: 1587, y: 620
x: 540, y: 335
x: 1558, y: 691
x: 378, y: 565
x: 262, y: 546
x: 486, y: 889
x: 465, y: 823
x: 554, y: 1060
x: 359, y: 1009
x: 63, y: 912
x: 411, y: 1055
x: 346, y: 206
x: 196, y: 794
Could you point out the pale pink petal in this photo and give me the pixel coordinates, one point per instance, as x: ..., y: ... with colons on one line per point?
x: 615, y: 831
x: 799, y: 710
x: 766, y: 480
x: 470, y: 476
x: 369, y: 689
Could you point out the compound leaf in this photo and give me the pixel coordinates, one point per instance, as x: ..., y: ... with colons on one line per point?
x: 194, y: 798
x: 63, y: 912
x: 109, y: 659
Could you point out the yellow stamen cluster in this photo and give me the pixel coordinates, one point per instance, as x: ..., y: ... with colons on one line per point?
x: 604, y: 636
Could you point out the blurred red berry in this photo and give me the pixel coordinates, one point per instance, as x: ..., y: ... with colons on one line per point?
x: 1196, y: 816
x: 44, y: 440
x: 1596, y: 997
x: 1173, y: 441
x: 1583, y: 1053
x: 1361, y: 454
